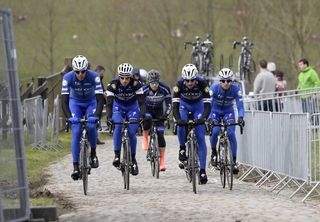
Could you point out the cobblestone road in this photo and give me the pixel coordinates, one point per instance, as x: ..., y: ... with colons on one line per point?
x: 170, y: 198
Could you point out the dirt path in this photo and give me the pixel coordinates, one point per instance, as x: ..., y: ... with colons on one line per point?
x: 170, y: 198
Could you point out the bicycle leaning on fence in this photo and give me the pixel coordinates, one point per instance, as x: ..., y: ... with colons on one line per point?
x: 85, y: 149
x: 191, y: 165
x: 225, y: 162
x: 246, y: 65
x: 126, y: 163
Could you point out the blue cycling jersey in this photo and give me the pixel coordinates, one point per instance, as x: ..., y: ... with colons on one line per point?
x: 199, y: 92
x: 154, y: 100
x: 124, y: 95
x: 83, y: 90
x: 222, y: 100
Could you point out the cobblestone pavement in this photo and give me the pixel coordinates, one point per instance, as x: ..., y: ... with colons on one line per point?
x: 169, y: 198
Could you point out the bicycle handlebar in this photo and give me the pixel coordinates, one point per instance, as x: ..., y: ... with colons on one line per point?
x: 82, y: 121
x: 227, y: 125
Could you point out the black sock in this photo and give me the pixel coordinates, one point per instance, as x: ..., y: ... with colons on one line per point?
x: 202, y: 171
x: 117, y: 153
x: 182, y: 147
x: 234, y: 159
x: 75, y: 165
x: 93, y: 153
x: 133, y: 157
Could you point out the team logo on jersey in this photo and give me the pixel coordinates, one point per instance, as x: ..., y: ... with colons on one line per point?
x: 206, y: 90
x: 176, y: 89
x: 64, y: 83
x: 97, y: 79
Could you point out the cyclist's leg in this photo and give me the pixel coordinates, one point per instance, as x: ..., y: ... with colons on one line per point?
x: 214, y: 137
x: 92, y: 127
x: 133, y: 115
x: 117, y: 117
x: 76, y: 111
x: 181, y: 131
x: 146, y: 127
x: 200, y: 134
x: 229, y: 118
x: 162, y: 146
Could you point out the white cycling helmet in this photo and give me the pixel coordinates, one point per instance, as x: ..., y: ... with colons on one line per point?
x: 225, y: 73
x: 189, y: 72
x: 80, y: 63
x: 125, y: 69
x: 143, y: 74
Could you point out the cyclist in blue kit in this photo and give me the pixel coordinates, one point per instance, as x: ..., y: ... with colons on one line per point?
x: 191, y: 94
x: 81, y: 89
x: 157, y: 94
x: 223, y: 95
x: 125, y: 100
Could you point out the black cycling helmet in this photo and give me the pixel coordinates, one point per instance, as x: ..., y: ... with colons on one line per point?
x: 153, y: 76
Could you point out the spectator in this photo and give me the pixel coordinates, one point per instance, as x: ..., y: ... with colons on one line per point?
x: 100, y: 71
x: 308, y: 79
x: 264, y: 83
x: 280, y: 86
x: 272, y: 67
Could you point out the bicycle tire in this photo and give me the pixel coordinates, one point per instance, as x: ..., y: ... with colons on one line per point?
x: 193, y: 167
x: 84, y: 166
x: 152, y: 155
x: 188, y: 165
x: 230, y: 61
x: 229, y: 161
x: 156, y: 157
x: 241, y: 67
x: 222, y: 166
x: 126, y: 161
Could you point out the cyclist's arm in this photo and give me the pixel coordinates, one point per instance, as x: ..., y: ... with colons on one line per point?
x: 176, y: 102
x: 65, y: 92
x: 140, y: 97
x: 65, y: 105
x: 206, y: 101
x: 111, y: 87
x: 239, y: 101
x: 168, y: 102
x: 99, y: 97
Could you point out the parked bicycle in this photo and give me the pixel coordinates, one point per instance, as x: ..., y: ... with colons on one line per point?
x: 224, y: 153
x: 246, y: 64
x: 202, y: 55
x: 85, y: 150
x: 191, y: 166
x: 153, y: 152
x: 126, y: 162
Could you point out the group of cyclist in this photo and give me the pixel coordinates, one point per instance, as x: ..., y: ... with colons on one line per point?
x: 127, y: 98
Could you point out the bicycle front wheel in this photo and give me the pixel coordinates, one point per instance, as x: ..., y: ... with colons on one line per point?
x: 152, y: 155
x: 193, y: 166
x: 156, y: 157
x: 222, y: 165
x: 230, y: 165
x: 84, y: 166
x: 126, y: 165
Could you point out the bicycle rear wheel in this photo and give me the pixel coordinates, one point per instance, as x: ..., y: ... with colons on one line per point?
x: 126, y: 165
x: 84, y: 166
x: 230, y: 165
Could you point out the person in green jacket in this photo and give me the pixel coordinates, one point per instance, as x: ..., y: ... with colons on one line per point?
x: 308, y: 79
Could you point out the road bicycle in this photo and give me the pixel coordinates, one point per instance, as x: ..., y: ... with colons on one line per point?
x: 126, y: 162
x: 153, y: 152
x: 224, y: 153
x: 84, y: 158
x: 246, y: 64
x: 202, y: 55
x: 191, y: 165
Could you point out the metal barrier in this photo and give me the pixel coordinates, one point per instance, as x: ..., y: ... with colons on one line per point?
x: 14, y: 196
x: 283, y: 146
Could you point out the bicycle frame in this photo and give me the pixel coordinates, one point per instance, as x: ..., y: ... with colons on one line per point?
x: 153, y: 153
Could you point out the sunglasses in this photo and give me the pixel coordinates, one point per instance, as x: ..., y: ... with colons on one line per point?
x: 226, y: 81
x: 83, y: 72
x: 190, y: 80
x: 124, y: 78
